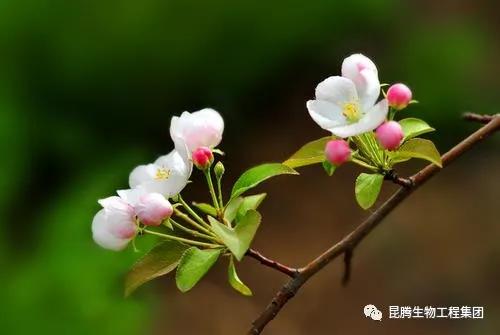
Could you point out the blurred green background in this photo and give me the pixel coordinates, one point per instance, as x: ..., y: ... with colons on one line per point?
x: 87, y: 89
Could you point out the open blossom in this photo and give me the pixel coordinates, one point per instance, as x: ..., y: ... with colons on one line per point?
x: 167, y: 175
x: 114, y: 226
x: 346, y: 105
x: 191, y: 131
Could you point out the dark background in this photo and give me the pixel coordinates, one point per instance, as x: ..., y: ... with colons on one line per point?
x: 87, y: 89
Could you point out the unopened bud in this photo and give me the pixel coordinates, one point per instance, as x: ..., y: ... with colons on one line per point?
x: 399, y: 96
x: 337, y: 152
x: 152, y: 209
x: 389, y: 135
x: 219, y: 170
x: 203, y: 158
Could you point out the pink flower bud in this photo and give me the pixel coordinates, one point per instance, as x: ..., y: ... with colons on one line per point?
x: 399, y: 96
x: 152, y: 209
x: 337, y: 152
x: 203, y: 158
x: 389, y: 135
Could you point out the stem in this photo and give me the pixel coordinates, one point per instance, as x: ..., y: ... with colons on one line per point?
x: 362, y: 163
x: 195, y: 233
x: 184, y: 240
x: 289, y: 271
x: 219, y: 192
x: 193, y: 213
x: 192, y: 222
x: 208, y: 176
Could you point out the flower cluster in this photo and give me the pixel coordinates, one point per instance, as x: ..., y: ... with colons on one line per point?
x: 193, y: 236
x: 151, y: 185
x: 346, y: 106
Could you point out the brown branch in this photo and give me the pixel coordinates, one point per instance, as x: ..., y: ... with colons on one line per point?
x: 289, y: 271
x: 350, y: 241
x: 479, y: 118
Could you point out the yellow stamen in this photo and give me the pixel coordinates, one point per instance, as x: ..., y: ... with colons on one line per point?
x: 351, y: 111
x: 162, y: 173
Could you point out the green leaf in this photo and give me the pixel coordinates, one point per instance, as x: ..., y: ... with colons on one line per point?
x: 311, y: 153
x: 160, y: 260
x: 250, y: 202
x: 258, y: 174
x: 205, y: 208
x: 235, y: 281
x: 238, y: 239
x: 329, y: 168
x: 413, y: 127
x: 232, y: 209
x: 368, y: 188
x: 418, y: 148
x: 194, y: 264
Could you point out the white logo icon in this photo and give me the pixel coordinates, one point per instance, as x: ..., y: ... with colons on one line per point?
x: 372, y: 312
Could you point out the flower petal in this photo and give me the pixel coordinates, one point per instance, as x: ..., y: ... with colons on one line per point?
x: 337, y: 90
x: 371, y: 120
x: 132, y: 195
x: 102, y: 236
x: 325, y: 114
x: 203, y: 128
x: 141, y: 174
x: 363, y: 72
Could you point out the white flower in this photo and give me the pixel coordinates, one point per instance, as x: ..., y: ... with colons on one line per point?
x: 191, y: 131
x: 167, y: 175
x: 345, y: 105
x: 151, y: 208
x: 114, y: 226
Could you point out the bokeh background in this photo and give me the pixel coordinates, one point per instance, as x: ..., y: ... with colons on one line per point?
x: 87, y: 89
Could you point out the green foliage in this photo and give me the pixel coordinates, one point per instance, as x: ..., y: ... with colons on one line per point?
x: 162, y: 259
x: 250, y: 202
x: 238, y: 239
x: 205, y: 208
x: 232, y: 209
x: 193, y: 265
x: 235, y: 281
x: 311, y: 153
x: 329, y: 167
x: 368, y: 188
x: 413, y: 127
x: 258, y: 174
x: 417, y: 148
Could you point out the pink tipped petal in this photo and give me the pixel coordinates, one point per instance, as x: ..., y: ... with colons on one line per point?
x: 354, y: 64
x: 325, y: 114
x: 371, y: 120
x: 337, y: 90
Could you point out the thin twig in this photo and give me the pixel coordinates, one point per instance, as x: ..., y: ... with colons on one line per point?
x: 289, y: 271
x: 350, y: 241
x: 479, y: 118
x: 347, y: 267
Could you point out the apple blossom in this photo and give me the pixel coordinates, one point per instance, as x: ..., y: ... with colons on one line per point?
x: 152, y: 209
x: 114, y: 225
x: 191, y: 131
x: 167, y: 175
x: 399, y: 96
x: 346, y: 105
x: 389, y: 135
x: 337, y: 152
x: 203, y: 158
